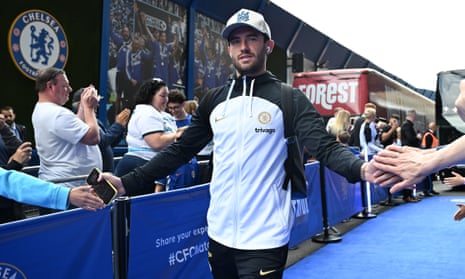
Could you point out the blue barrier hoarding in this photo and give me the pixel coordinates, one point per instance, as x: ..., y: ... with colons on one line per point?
x: 344, y: 199
x: 168, y: 231
x: 168, y: 235
x: 307, y: 211
x: 378, y: 193
x: 69, y: 244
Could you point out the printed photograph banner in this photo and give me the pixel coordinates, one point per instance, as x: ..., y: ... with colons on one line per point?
x: 168, y: 235
x: 68, y: 244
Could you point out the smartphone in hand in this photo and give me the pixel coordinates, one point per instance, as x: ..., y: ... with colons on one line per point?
x: 104, y: 189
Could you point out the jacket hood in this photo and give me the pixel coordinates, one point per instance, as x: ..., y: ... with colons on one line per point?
x: 247, y: 84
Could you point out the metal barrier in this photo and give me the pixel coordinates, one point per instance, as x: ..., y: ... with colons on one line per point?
x: 34, y: 171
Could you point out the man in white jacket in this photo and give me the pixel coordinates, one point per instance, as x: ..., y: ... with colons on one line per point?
x: 250, y: 214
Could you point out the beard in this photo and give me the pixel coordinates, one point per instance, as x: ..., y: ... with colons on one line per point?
x: 251, y: 69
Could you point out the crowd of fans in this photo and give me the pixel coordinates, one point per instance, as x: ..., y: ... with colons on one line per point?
x: 75, y: 142
x: 369, y: 134
x: 148, y: 40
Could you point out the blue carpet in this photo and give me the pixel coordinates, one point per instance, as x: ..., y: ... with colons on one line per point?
x: 415, y: 240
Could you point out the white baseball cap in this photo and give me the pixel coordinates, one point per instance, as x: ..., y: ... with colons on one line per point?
x: 249, y: 18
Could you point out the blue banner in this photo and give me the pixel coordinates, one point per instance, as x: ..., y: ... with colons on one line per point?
x: 343, y: 199
x: 69, y: 244
x: 378, y: 193
x: 168, y: 235
x: 308, y: 211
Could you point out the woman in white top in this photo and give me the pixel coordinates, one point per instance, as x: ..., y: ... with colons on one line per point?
x: 150, y: 129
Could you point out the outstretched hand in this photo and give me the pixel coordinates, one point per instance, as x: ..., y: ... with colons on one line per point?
x: 455, y: 180
x: 85, y: 198
x: 377, y: 176
x: 406, y: 164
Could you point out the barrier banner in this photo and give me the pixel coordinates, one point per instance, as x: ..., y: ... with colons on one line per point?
x: 168, y: 234
x: 69, y: 244
x: 343, y: 199
x: 308, y: 211
x: 378, y: 193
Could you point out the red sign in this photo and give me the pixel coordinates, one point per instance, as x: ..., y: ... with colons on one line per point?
x: 328, y: 91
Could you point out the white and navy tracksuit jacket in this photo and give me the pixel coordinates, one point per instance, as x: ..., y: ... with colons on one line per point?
x: 249, y: 209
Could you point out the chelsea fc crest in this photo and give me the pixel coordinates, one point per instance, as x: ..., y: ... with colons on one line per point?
x: 9, y: 271
x: 36, y: 40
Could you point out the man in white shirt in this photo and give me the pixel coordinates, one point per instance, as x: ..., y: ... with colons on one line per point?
x: 67, y: 143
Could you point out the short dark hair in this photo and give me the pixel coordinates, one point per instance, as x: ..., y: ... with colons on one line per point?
x: 176, y: 96
x: 370, y: 105
x: 147, y: 90
x: 45, y: 75
x: 395, y: 116
x: 6, y: 108
x: 343, y: 137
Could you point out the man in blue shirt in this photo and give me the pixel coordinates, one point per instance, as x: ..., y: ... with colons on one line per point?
x: 28, y: 189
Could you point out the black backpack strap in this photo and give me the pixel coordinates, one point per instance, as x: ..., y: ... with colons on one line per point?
x: 294, y: 166
x: 288, y: 110
x: 288, y: 113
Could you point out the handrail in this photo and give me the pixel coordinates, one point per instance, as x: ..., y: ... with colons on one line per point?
x: 33, y: 170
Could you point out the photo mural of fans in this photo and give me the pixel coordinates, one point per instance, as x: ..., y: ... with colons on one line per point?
x: 148, y: 40
x: 212, y: 65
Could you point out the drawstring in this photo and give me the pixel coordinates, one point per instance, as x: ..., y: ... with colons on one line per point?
x: 244, y: 91
x: 250, y: 97
x: 228, y: 97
